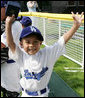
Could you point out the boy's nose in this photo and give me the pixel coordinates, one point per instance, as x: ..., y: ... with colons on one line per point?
x: 31, y: 44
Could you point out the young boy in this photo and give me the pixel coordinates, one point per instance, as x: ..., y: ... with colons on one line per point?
x: 36, y: 64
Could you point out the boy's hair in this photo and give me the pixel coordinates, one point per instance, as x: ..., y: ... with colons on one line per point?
x: 31, y: 30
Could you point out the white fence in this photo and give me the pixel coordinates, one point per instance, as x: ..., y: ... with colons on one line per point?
x: 53, y: 29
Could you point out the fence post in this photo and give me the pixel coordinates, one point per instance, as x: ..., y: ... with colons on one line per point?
x: 44, y: 33
x: 83, y: 56
x: 59, y: 28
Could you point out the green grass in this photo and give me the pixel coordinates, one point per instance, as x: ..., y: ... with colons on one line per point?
x: 74, y: 79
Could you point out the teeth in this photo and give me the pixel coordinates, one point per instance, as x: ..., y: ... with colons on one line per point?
x: 31, y: 49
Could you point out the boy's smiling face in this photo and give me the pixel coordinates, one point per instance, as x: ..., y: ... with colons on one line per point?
x: 31, y: 44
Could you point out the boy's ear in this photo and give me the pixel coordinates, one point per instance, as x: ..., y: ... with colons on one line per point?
x: 21, y: 44
x: 41, y: 43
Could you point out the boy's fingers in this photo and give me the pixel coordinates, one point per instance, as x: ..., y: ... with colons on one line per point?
x: 82, y: 18
x: 73, y: 15
x: 82, y: 14
x: 77, y: 13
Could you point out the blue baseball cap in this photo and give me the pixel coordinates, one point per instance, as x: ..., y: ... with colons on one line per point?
x: 26, y: 21
x: 31, y: 30
x: 3, y: 3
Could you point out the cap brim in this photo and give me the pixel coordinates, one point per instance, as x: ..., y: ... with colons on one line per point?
x: 34, y: 33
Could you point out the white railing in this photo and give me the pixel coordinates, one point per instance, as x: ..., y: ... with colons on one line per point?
x: 52, y: 30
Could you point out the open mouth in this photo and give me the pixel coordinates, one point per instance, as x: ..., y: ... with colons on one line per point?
x: 31, y: 50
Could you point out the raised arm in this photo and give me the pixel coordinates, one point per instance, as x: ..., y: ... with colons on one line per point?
x: 77, y: 22
x: 10, y: 41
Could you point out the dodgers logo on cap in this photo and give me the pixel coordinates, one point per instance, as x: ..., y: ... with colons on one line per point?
x: 33, y: 29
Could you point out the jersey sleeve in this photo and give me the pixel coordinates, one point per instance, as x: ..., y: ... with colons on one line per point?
x: 17, y: 55
x: 56, y: 50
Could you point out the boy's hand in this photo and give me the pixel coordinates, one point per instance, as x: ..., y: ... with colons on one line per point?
x: 77, y: 22
x: 10, y: 19
x: 77, y: 19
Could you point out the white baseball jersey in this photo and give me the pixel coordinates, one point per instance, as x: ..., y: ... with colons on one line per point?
x: 45, y: 57
x: 10, y: 72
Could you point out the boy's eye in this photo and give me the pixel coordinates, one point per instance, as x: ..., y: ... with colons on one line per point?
x: 28, y: 42
x: 35, y: 42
